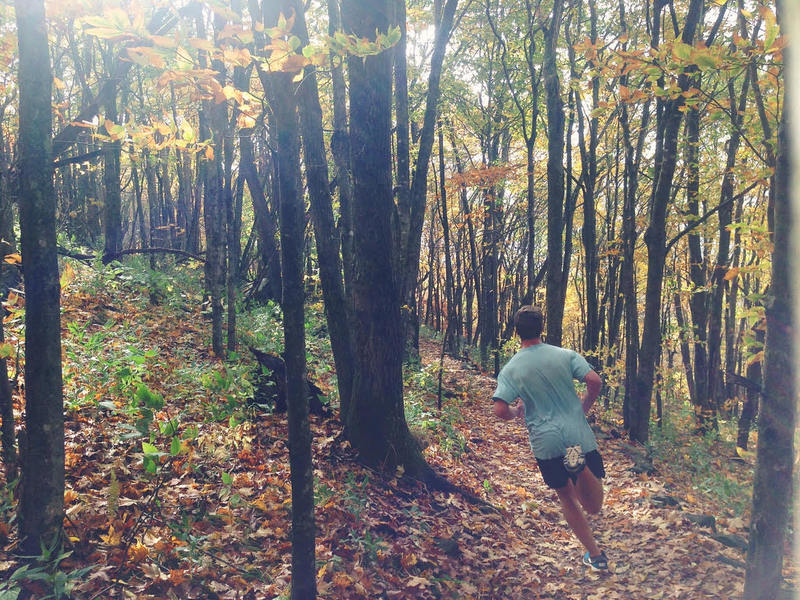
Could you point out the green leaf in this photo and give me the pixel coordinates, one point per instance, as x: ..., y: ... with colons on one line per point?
x: 770, y: 35
x: 103, y: 33
x: 148, y: 448
x: 149, y: 464
x: 227, y: 479
x: 168, y: 428
x: 175, y: 446
x: 394, y: 35
x: 682, y: 51
x: 148, y: 398
x: 6, y: 350
x: 706, y: 61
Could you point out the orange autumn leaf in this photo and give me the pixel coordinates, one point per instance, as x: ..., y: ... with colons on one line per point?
x: 138, y: 552
x: 177, y: 576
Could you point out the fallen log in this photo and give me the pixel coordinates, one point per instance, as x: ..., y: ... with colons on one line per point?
x: 276, y: 367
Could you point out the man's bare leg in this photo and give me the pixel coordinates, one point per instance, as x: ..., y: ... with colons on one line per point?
x: 575, y: 517
x: 590, y: 492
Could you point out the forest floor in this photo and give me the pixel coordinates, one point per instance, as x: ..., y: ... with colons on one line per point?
x: 192, y: 499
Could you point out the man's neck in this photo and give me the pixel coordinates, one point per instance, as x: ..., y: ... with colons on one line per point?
x: 531, y: 342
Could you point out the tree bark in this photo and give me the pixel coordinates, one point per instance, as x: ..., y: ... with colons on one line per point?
x: 325, y: 234
x: 554, y: 300
x: 112, y: 206
x: 655, y: 238
x: 718, y: 283
x: 450, y: 344
x: 410, y: 250
x: 376, y: 423
x: 772, y: 487
x: 213, y: 122
x: 292, y: 218
x: 41, y: 505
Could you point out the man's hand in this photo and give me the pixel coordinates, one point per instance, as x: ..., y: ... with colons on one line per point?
x: 593, y: 386
x: 518, y: 410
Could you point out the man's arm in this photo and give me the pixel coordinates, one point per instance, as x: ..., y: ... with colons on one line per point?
x: 503, y: 411
x: 593, y: 386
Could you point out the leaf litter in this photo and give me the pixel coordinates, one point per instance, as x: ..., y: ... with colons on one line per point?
x: 214, y: 520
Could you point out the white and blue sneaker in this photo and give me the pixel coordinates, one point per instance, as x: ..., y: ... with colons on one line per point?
x: 596, y: 563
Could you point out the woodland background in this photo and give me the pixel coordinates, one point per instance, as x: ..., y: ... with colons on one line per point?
x: 214, y: 212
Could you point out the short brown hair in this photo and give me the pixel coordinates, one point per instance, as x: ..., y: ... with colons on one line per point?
x: 529, y: 322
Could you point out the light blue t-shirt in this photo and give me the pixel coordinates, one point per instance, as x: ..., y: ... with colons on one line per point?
x: 541, y: 375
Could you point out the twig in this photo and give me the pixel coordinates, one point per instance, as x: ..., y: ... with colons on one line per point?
x: 77, y: 159
x: 208, y: 553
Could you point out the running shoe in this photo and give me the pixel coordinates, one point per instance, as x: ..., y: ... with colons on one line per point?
x: 596, y: 563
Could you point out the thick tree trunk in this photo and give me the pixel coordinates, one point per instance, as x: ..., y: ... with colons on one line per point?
x: 555, y: 179
x: 41, y: 504
x: 772, y: 487
x: 376, y: 423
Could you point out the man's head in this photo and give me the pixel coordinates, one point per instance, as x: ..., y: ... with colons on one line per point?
x: 529, y: 322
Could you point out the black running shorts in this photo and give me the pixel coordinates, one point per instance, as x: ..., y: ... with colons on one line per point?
x: 555, y: 474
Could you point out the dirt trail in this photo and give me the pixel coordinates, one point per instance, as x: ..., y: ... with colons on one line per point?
x: 654, y: 552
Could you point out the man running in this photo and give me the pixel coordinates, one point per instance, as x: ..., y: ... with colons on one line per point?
x: 561, y: 439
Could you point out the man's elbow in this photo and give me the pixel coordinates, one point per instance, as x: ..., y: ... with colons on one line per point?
x: 593, y: 382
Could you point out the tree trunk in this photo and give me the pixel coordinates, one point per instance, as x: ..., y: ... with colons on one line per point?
x: 589, y: 229
x: 655, y: 239
x: 723, y: 250
x: 629, y: 235
x: 112, y: 207
x: 283, y: 102
x: 213, y: 123
x: 410, y: 249
x: 772, y: 486
x: 450, y: 343
x: 268, y: 284
x: 750, y: 404
x: 41, y: 504
x: 555, y: 179
x: 698, y: 301
x: 376, y: 423
x: 325, y: 234
x: 686, y: 355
